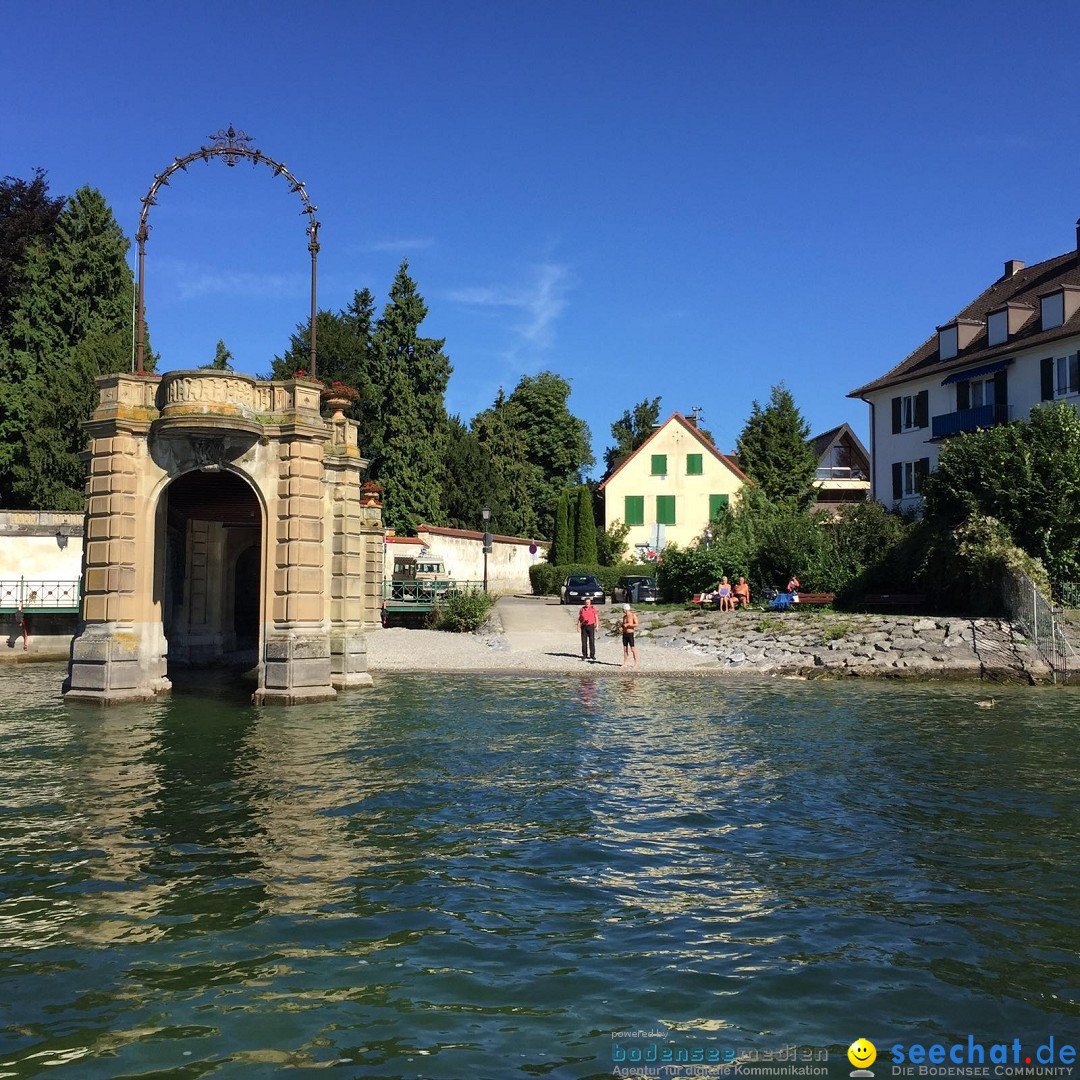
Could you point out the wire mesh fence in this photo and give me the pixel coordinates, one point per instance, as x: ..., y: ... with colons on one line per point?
x: 1028, y: 608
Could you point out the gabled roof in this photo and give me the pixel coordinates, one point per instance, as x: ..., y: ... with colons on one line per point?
x: 1024, y: 288
x: 824, y: 442
x: 678, y: 418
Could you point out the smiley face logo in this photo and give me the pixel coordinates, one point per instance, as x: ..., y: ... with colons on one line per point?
x: 862, y: 1053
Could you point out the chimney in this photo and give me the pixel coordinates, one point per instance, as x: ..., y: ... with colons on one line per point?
x: 1014, y: 266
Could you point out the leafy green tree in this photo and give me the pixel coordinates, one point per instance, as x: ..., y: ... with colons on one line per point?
x: 557, y: 442
x: 774, y: 451
x: 222, y: 358
x: 630, y: 432
x: 561, y: 552
x: 411, y: 374
x: 1025, y: 476
x: 27, y: 218
x: 585, y: 529
x: 70, y: 322
x: 611, y: 543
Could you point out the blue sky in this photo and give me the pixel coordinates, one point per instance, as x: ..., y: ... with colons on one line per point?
x: 685, y: 199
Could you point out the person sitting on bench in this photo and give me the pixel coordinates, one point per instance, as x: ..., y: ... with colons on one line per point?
x: 741, y: 593
x: 725, y: 600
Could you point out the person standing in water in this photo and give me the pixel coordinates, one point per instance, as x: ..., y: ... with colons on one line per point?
x: 630, y: 624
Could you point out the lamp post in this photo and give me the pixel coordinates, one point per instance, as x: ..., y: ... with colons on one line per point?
x: 486, y: 515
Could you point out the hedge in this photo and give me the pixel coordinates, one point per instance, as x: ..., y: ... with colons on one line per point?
x: 547, y: 579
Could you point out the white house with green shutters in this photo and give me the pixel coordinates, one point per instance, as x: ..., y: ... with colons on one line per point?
x: 1015, y: 346
x: 671, y: 487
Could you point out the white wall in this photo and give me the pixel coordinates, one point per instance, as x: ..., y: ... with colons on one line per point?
x: 462, y: 552
x: 29, y: 546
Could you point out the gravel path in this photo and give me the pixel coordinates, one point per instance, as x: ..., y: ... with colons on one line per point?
x: 527, y: 634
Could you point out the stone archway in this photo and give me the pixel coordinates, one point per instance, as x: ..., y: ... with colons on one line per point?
x: 175, y: 463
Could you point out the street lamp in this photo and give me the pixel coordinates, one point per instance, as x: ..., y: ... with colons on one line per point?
x: 486, y: 515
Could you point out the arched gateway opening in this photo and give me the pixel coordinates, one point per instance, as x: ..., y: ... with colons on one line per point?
x: 224, y: 525
x: 211, y: 574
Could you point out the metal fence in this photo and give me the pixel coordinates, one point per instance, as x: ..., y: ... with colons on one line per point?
x: 39, y: 595
x: 1028, y: 608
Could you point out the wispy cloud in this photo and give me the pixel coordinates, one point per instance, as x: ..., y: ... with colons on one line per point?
x: 193, y: 282
x: 540, y: 300
x: 413, y: 243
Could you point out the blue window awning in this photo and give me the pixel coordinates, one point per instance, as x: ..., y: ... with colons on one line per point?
x: 976, y: 373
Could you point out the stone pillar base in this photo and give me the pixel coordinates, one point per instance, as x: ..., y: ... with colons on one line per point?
x: 295, y: 669
x: 111, y: 665
x: 348, y: 660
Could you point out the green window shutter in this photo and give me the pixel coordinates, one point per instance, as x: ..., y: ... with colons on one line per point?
x: 693, y: 464
x: 717, y: 503
x: 665, y: 509
x: 659, y: 464
x: 634, y: 510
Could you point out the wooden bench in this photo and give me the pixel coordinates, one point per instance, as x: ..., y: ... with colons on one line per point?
x: 817, y: 599
x: 894, y: 601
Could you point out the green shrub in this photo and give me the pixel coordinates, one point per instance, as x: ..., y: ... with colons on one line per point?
x: 463, y: 611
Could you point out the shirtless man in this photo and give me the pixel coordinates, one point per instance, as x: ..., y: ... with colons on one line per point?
x: 742, y: 593
x: 630, y: 624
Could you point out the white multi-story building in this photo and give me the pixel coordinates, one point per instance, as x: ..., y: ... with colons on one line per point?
x: 1013, y: 347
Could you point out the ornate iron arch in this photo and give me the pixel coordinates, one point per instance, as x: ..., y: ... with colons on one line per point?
x: 232, y: 146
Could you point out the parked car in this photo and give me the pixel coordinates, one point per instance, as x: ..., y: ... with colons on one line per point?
x: 577, y: 586
x: 635, y: 590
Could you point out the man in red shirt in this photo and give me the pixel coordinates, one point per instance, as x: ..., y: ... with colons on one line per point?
x: 587, y: 619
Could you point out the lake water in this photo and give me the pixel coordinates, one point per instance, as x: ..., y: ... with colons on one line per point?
x: 490, y: 877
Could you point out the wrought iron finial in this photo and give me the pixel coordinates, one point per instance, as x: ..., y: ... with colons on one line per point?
x: 224, y: 141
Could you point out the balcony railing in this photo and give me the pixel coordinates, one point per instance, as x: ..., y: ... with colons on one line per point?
x: 982, y: 416
x: 840, y: 472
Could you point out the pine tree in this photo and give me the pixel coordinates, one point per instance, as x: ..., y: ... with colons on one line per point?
x: 70, y: 322
x: 585, y: 529
x: 27, y: 219
x: 222, y: 358
x: 774, y: 451
x: 511, y: 472
x: 413, y: 373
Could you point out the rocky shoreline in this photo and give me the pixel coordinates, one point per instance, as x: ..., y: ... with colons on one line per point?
x: 816, y: 644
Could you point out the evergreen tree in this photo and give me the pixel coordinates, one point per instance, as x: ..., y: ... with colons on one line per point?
x: 27, y: 218
x: 774, y: 451
x: 412, y: 374
x: 70, y: 322
x: 561, y: 552
x: 511, y: 472
x: 585, y: 529
x: 222, y: 358
x: 469, y: 482
x: 557, y: 441
x: 630, y: 432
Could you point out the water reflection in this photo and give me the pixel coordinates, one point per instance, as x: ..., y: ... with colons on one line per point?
x: 443, y: 873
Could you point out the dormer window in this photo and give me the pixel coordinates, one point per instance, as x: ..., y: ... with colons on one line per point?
x: 947, y: 342
x: 1053, y: 310
x: 997, y: 328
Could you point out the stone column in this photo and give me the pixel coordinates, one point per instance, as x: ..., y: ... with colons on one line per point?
x: 119, y: 652
x: 346, y: 521
x: 296, y: 642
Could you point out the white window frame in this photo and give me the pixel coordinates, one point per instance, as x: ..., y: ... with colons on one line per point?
x: 909, y: 479
x: 907, y: 412
x: 981, y: 392
x: 1066, y: 376
x: 948, y: 342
